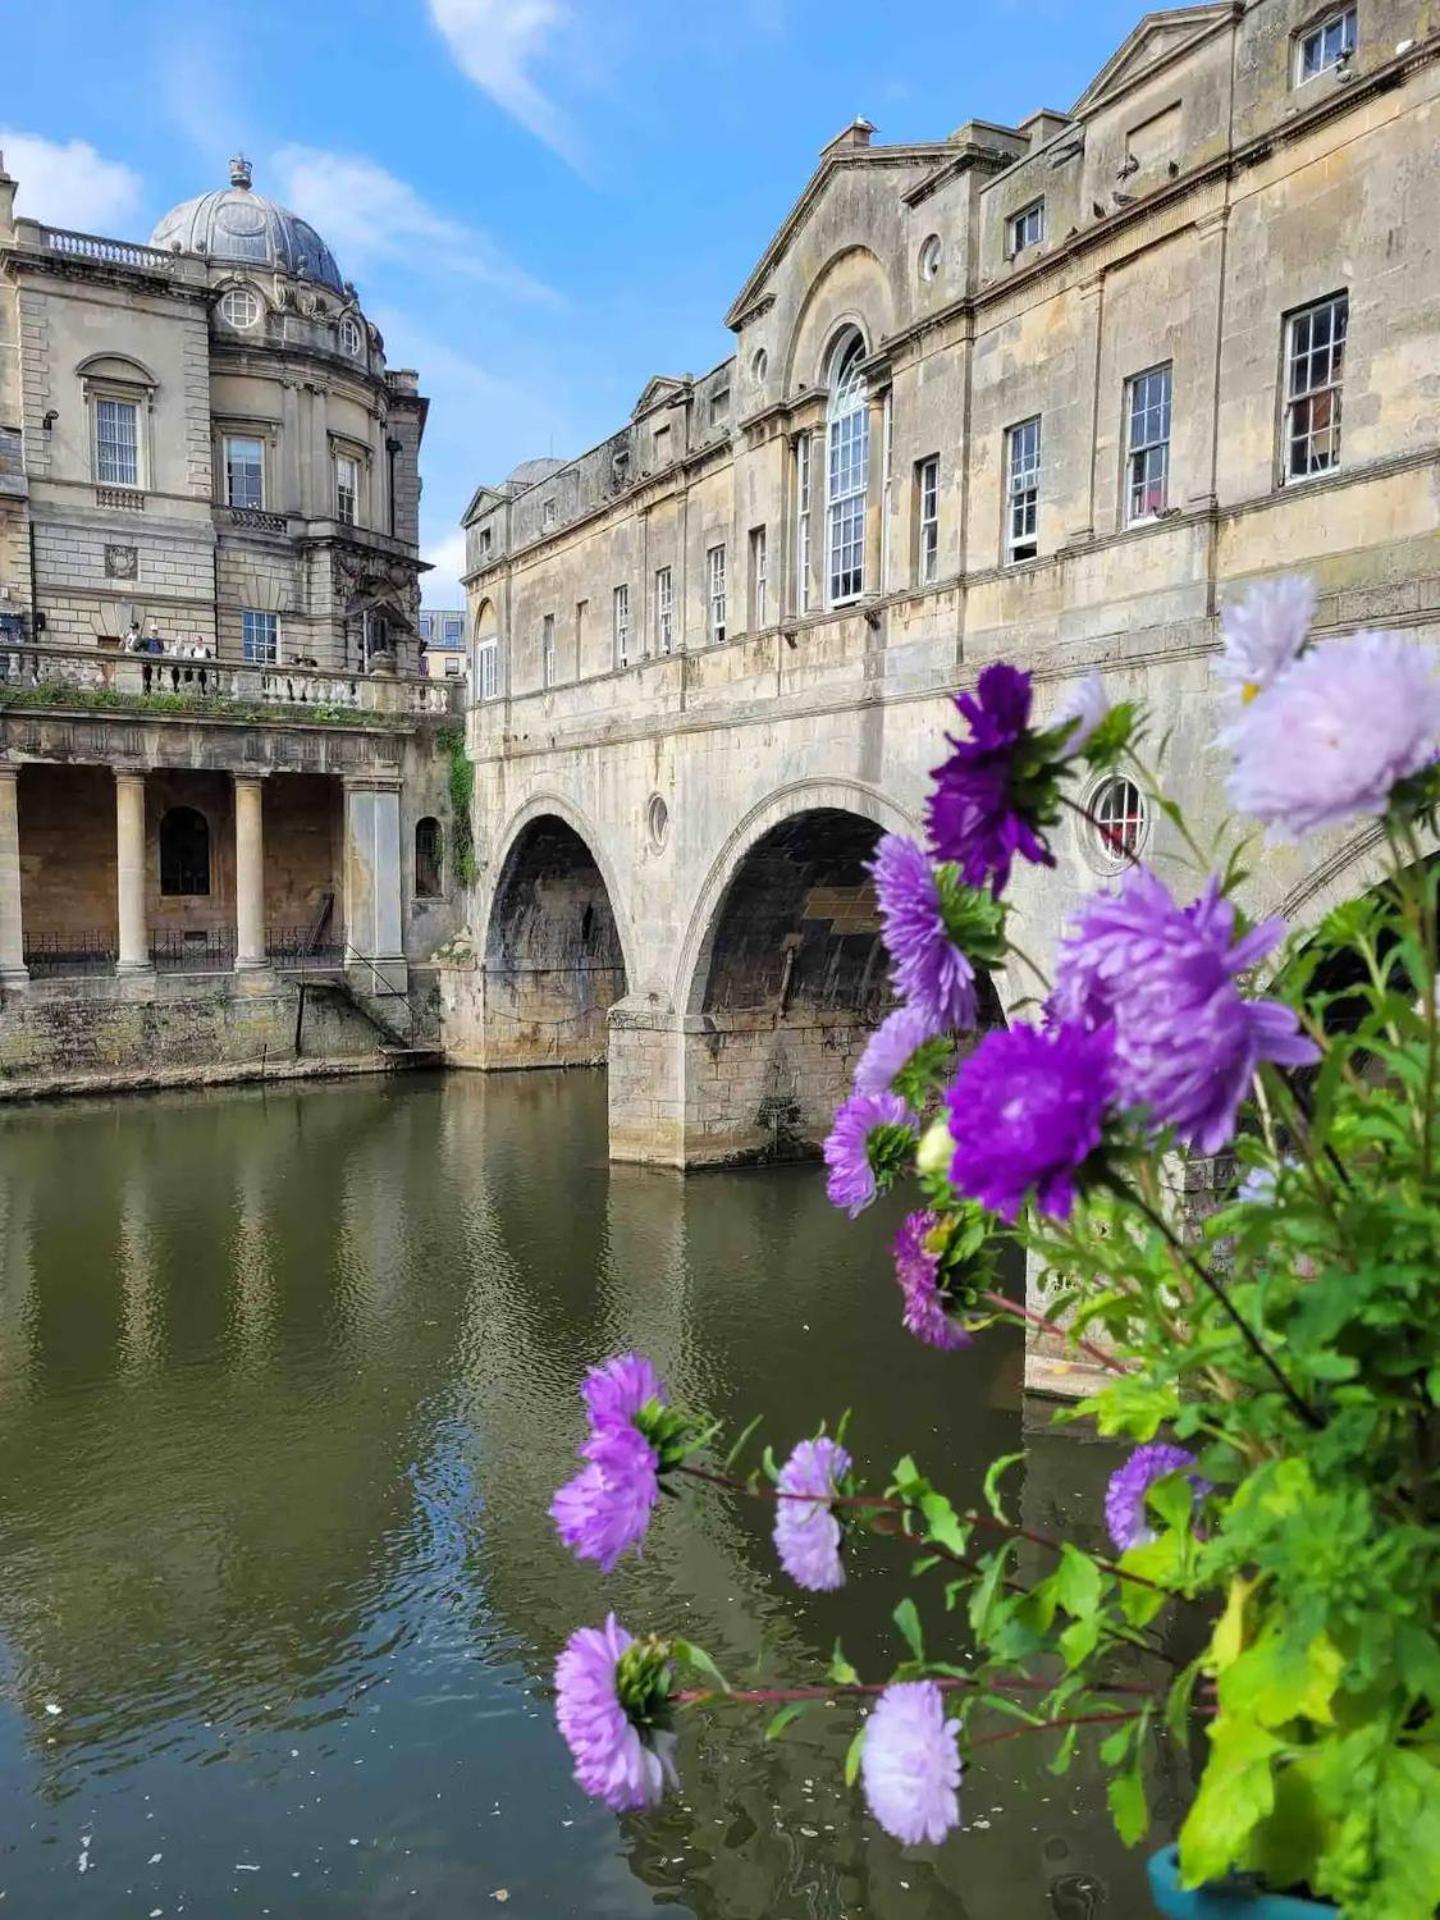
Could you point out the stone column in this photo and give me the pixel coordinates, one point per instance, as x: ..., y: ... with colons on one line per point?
x: 373, y: 883
x: 13, y: 971
x: 130, y: 872
x: 249, y: 872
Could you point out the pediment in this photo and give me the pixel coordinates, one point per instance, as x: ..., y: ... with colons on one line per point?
x: 662, y: 388
x: 1155, y: 41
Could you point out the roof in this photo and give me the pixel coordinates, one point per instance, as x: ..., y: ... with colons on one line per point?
x: 237, y: 224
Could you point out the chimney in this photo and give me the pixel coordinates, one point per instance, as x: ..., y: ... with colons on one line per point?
x: 857, y: 134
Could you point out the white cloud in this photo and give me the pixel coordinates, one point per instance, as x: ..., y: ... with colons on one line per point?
x: 447, y: 556
x: 368, y: 217
x: 70, y: 185
x: 498, y: 44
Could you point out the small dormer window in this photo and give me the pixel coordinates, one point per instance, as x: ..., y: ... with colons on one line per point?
x: 662, y: 446
x: 1330, y: 44
x: 719, y: 405
x: 547, y: 514
x: 350, y: 337
x: 240, y: 307
x: 484, y: 543
x: 1027, y: 228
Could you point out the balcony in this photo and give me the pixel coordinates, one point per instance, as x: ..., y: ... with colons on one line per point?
x: 101, y: 677
x: 113, y: 253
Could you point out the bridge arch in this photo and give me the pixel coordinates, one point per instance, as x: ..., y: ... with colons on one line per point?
x: 556, y: 955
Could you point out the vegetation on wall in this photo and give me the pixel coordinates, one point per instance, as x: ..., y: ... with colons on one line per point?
x: 60, y: 697
x: 461, y: 787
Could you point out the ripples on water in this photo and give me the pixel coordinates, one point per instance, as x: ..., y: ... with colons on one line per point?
x: 286, y: 1382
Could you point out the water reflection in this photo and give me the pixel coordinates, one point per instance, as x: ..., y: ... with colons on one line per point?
x: 286, y: 1382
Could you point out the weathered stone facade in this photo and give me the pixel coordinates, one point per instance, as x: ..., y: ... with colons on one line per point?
x: 885, y: 524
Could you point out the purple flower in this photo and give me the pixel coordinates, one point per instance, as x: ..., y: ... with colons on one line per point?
x: 1327, y: 742
x: 1026, y: 1111
x: 615, y: 1392
x: 927, y: 967
x: 807, y: 1534
x: 623, y: 1763
x: 1086, y: 705
x: 1264, y: 633
x: 1187, y: 1042
x: 917, y: 1269
x: 1125, y: 1514
x: 891, y: 1045
x: 910, y: 1763
x: 868, y: 1136
x: 972, y: 815
x: 606, y: 1508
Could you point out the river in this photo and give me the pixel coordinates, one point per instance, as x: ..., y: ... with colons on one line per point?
x: 287, y: 1378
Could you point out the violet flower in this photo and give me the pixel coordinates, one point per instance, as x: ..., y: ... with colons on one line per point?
x: 917, y: 1269
x: 868, y: 1139
x: 974, y: 815
x: 890, y: 1047
x: 620, y: 1757
x: 1264, y: 633
x: 928, y: 969
x: 606, y: 1508
x: 807, y: 1533
x: 1125, y: 1513
x: 910, y: 1763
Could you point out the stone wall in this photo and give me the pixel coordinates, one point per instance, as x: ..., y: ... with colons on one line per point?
x: 67, y: 851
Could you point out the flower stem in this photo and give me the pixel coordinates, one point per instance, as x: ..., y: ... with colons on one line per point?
x: 1029, y: 1315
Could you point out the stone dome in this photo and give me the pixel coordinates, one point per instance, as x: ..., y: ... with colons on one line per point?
x: 530, y: 473
x: 236, y: 223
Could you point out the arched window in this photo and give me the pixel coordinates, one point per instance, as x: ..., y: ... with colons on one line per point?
x: 429, y: 859
x: 847, y: 470
x: 184, y: 852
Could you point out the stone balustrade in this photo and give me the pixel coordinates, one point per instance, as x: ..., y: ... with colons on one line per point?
x: 115, y: 253
x: 105, y: 672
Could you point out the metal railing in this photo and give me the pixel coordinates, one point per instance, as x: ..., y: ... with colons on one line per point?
x: 176, y: 950
x: 63, y: 953
x: 115, y: 253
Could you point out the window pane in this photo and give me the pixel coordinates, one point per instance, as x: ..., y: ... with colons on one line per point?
x: 244, y: 473
x: 1316, y: 363
x: 260, y: 634
x: 117, y: 443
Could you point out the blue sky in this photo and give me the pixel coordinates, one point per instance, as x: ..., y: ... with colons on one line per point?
x: 542, y: 202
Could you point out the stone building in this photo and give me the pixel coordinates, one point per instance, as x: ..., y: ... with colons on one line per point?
x: 442, y: 631
x: 1051, y: 392
x: 216, y: 743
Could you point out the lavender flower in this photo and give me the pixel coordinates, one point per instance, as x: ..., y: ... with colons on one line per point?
x: 1125, y: 1514
x: 606, y: 1508
x: 1085, y: 707
x: 931, y: 972
x: 868, y: 1139
x: 974, y: 816
x: 1187, y: 1043
x: 615, y: 1392
x: 1264, y: 633
x: 891, y: 1045
x: 1327, y: 742
x: 910, y: 1763
x: 917, y: 1269
x: 620, y: 1757
x: 1026, y: 1111
x: 807, y: 1533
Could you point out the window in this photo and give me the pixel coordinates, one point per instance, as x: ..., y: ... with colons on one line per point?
x: 664, y: 610
x: 184, y: 852
x: 429, y: 859
x: 427, y: 626
x: 487, y: 669
x: 260, y: 636
x: 244, y: 472
x: 484, y: 543
x: 802, y: 524
x: 759, y: 579
x: 1027, y: 228
x: 1116, y: 822
x: 1148, y: 455
x: 1314, y: 371
x: 547, y: 514
x: 351, y: 338
x: 931, y: 254
x: 117, y: 443
x: 620, y: 619
x: 454, y: 630
x: 927, y: 492
x: 240, y: 307
x: 1022, y: 490
x: 454, y: 667
x: 719, y: 405
x: 662, y: 446
x: 582, y: 614
x: 547, y: 650
x: 847, y: 472
x: 715, y: 593
x: 759, y: 365
x: 347, y: 488
x: 1328, y: 45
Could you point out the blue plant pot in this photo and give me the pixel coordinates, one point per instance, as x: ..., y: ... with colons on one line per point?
x: 1233, y: 1902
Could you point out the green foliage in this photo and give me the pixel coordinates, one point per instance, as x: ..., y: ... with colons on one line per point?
x: 460, y: 785
x: 57, y: 696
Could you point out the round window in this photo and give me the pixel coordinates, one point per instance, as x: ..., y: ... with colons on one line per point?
x: 350, y: 338
x: 930, y: 257
x: 760, y: 365
x: 1117, y: 822
x: 240, y: 307
x: 658, y: 819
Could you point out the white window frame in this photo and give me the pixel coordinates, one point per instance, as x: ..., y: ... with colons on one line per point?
x: 452, y: 628
x: 352, y: 517
x: 454, y: 667
x: 487, y: 668
x: 847, y: 473
x: 1026, y: 228
x: 759, y: 577
x: 351, y: 337
x: 1022, y: 491
x: 1148, y: 402
x: 260, y: 636
x: 230, y: 468
x: 664, y: 610
x: 232, y: 299
x: 1314, y: 382
x: 927, y: 493
x: 620, y: 623
x: 131, y: 473
x: 1333, y: 38
x: 715, y: 597
x: 803, y: 463
x: 547, y: 650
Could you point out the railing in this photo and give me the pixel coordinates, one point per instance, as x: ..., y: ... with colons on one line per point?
x: 54, y: 953
x: 115, y: 253
x: 192, y: 949
x: 107, y: 672
x: 255, y: 517
x: 293, y: 947
x: 130, y: 498
x: 175, y: 950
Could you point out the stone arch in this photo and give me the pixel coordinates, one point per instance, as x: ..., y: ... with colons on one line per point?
x: 852, y: 289
x: 122, y: 368
x: 555, y: 958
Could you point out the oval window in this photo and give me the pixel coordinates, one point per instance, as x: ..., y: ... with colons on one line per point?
x: 658, y: 819
x: 240, y: 307
x: 931, y: 254
x: 1116, y: 822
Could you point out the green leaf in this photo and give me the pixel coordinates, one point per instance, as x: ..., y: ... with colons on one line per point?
x: 700, y: 1660
x: 1126, y: 1794
x: 782, y: 1719
x: 989, y: 1591
x: 1077, y: 1583
x: 907, y: 1619
x: 840, y: 1669
x: 741, y: 1443
x: 1114, y: 1749
x: 943, y: 1524
x: 1281, y: 1679
x: 992, y: 1483
x: 1237, y: 1792
x: 1065, y: 1752
x: 852, y: 1756
x: 1079, y: 1640
x: 1158, y: 1561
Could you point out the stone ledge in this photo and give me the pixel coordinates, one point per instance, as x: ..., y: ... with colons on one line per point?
x: 1055, y: 1377
x: 230, y: 1073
